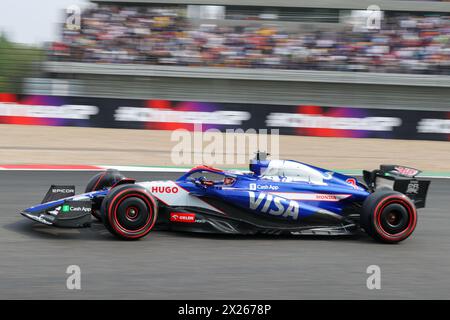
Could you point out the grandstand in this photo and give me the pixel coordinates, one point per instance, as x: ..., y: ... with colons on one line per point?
x: 282, y: 52
x: 388, y: 5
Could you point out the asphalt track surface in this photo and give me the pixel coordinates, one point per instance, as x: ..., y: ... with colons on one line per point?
x: 165, y: 265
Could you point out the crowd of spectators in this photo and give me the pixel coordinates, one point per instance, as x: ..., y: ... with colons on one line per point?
x: 124, y: 34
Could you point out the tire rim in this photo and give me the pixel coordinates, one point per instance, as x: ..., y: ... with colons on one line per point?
x: 395, y: 219
x: 132, y: 213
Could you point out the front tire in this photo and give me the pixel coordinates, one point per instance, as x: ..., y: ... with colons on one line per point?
x: 101, y: 181
x: 388, y: 216
x: 129, y: 212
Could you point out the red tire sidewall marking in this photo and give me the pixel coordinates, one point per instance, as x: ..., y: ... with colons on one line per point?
x: 411, y: 224
x: 126, y: 232
x: 117, y: 206
x: 112, y: 214
x: 411, y: 212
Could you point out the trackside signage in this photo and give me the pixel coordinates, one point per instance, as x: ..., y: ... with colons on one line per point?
x: 304, y: 120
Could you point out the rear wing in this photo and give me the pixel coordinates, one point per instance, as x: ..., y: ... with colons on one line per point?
x: 399, y: 178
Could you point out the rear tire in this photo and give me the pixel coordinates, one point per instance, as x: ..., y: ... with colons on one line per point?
x: 129, y: 212
x: 388, y: 216
x: 101, y: 181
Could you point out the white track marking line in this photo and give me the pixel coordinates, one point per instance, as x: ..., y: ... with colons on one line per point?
x: 169, y: 169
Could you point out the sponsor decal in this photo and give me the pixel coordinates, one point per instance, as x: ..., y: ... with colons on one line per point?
x: 171, y: 194
x: 409, y: 172
x: 78, y: 209
x: 182, y: 217
x: 331, y: 197
x: 413, y: 187
x: 308, y: 196
x: 57, y: 190
x: 68, y: 208
x: 434, y: 126
x: 164, y: 189
x: 276, y: 206
x: 80, y: 112
x: 341, y: 123
x: 174, y: 116
x: 264, y: 187
x: 267, y: 187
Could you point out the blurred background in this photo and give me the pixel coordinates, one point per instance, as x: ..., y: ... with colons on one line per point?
x: 349, y: 84
x: 336, y: 69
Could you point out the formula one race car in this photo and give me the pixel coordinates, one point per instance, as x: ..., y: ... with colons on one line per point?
x: 274, y: 197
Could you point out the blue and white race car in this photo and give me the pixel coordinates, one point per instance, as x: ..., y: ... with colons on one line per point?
x: 274, y: 197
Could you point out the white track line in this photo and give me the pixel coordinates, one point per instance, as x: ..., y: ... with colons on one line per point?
x: 170, y: 169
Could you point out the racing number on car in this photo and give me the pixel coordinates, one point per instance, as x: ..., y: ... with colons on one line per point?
x: 352, y: 182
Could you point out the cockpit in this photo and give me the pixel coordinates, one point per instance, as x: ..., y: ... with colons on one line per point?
x: 288, y: 170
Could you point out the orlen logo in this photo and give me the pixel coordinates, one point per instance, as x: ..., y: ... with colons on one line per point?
x: 182, y: 217
x: 167, y: 189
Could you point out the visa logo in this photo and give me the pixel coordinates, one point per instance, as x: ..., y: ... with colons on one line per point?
x: 274, y: 205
